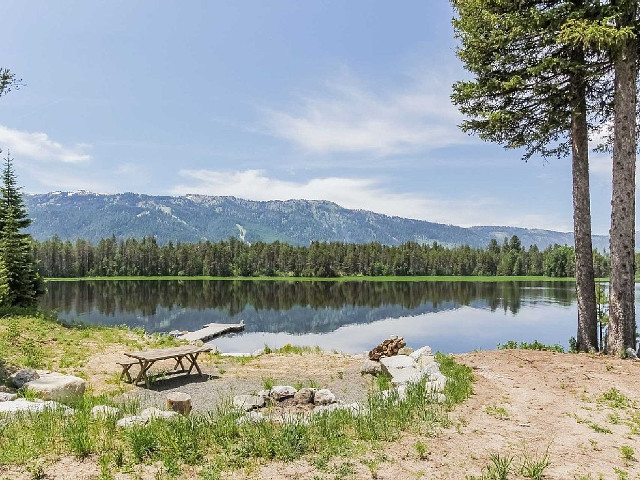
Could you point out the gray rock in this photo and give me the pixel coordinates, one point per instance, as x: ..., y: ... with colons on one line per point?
x: 131, y: 421
x: 23, y: 376
x: 21, y: 405
x: 429, y: 369
x: 236, y: 354
x: 370, y: 367
x: 105, y: 411
x: 258, y: 353
x: 631, y: 353
x: 282, y: 392
x: 405, y: 375
x: 426, y: 350
x: 323, y: 397
x: 304, y: 395
x: 153, y: 412
x: 405, y: 351
x: 56, y: 386
x: 396, y: 362
x: 248, y: 402
x: 7, y: 397
x: 265, y: 394
x: 402, y: 368
x: 6, y: 389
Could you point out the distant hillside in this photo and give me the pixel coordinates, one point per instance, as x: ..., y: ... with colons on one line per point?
x: 198, y: 217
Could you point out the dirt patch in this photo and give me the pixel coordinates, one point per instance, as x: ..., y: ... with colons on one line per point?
x: 525, y: 404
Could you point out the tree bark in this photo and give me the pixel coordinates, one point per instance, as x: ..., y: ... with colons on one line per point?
x: 587, y: 337
x: 622, y: 321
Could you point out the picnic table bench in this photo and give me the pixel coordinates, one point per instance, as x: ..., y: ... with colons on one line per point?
x: 146, y: 358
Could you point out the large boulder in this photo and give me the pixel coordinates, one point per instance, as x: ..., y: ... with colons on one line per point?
x: 21, y: 405
x: 304, y: 395
x: 402, y: 369
x: 282, y: 392
x: 56, y: 386
x: 371, y: 367
x: 416, y: 354
x: 248, y: 402
x: 323, y: 397
x: 153, y: 412
x: 21, y: 377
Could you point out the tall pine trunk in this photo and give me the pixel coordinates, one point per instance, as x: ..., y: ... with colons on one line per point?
x: 587, y: 338
x: 622, y: 320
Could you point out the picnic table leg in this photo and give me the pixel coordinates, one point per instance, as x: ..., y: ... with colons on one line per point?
x: 179, y: 362
x: 193, y: 358
x: 125, y: 372
x: 144, y: 367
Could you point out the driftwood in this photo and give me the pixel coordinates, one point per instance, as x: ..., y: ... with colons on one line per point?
x: 179, y: 402
x: 387, y: 348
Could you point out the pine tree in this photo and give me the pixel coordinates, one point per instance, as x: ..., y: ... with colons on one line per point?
x: 530, y: 91
x: 23, y: 280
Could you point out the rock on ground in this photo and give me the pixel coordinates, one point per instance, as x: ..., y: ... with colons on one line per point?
x: 248, y: 402
x: 323, y: 397
x: 371, y: 367
x: 21, y: 377
x: 304, y: 395
x: 56, y: 386
x: 22, y: 405
x: 426, y: 350
x: 282, y: 392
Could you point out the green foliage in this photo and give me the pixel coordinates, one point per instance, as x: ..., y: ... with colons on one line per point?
x: 535, y: 345
x: 229, y: 259
x: 627, y: 453
x: 37, y: 339
x: 615, y: 399
x: 20, y: 282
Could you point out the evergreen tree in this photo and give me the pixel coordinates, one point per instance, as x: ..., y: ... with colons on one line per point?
x: 531, y: 91
x: 23, y: 280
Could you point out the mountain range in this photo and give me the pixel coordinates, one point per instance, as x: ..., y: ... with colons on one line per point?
x: 191, y: 218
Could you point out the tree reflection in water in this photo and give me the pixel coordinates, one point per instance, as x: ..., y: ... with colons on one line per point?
x: 283, y: 306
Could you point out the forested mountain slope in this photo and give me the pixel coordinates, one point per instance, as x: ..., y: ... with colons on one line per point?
x: 71, y: 215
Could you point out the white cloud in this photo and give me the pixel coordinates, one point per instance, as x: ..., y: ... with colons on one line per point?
x: 347, y: 117
x: 360, y: 193
x: 38, y: 146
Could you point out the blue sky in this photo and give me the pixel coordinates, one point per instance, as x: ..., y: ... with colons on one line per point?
x: 338, y: 100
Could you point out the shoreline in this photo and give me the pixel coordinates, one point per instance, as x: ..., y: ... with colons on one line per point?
x: 425, y: 278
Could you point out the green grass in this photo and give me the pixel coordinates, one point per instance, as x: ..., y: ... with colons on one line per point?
x: 535, y: 345
x: 216, y: 442
x: 40, y: 340
x: 430, y: 278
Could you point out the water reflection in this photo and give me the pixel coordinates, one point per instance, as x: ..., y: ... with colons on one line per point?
x: 349, y: 316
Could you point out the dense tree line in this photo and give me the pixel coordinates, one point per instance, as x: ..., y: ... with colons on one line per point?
x: 145, y: 257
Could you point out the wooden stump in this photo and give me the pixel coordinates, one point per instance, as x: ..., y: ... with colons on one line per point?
x: 179, y: 402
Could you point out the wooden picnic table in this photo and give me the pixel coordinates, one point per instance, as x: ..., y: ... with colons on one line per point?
x: 147, y: 358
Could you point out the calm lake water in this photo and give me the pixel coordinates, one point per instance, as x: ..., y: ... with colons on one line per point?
x: 347, y: 316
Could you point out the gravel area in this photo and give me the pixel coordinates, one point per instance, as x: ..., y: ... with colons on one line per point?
x: 225, y: 377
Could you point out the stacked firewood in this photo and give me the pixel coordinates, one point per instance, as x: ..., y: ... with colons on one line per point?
x: 387, y: 348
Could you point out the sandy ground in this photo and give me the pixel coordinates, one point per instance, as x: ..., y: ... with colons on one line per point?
x: 524, y: 404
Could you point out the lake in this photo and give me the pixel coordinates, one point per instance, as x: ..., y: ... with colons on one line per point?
x: 347, y: 316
